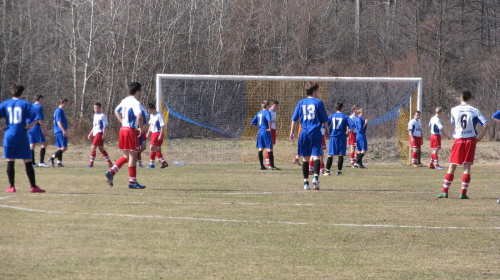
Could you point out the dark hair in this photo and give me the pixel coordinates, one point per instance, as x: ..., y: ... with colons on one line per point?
x: 275, y: 102
x: 62, y: 100
x: 38, y: 97
x: 134, y: 87
x: 311, y: 87
x: 339, y: 106
x: 466, y: 95
x: 97, y: 104
x: 17, y: 90
x: 151, y: 106
x: 416, y: 112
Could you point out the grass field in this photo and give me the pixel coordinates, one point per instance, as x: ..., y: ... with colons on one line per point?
x: 222, y: 221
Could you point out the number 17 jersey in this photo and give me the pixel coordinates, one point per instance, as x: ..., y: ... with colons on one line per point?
x: 465, y: 118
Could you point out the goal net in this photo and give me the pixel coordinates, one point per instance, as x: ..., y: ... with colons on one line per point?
x: 208, y: 116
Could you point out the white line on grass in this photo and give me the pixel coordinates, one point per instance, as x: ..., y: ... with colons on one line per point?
x: 249, y: 222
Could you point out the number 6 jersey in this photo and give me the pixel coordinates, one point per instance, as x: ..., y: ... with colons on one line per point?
x: 465, y: 118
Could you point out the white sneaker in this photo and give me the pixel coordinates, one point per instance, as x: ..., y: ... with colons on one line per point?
x: 439, y: 167
x: 316, y: 184
x: 306, y: 187
x: 43, y: 164
x: 498, y: 200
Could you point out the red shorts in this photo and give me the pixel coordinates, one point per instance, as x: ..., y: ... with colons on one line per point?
x: 417, y: 144
x: 98, y: 140
x: 128, y: 139
x: 154, y: 139
x: 273, y: 135
x: 435, y: 141
x: 463, y: 151
x: 352, y: 139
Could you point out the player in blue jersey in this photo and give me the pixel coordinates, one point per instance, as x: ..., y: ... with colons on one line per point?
x: 60, y: 132
x: 15, y: 140
x: 311, y: 114
x: 340, y: 125
x: 263, y: 121
x: 496, y: 118
x: 361, y: 142
x: 37, y: 133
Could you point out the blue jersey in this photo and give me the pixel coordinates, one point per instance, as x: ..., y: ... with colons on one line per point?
x: 59, y: 116
x: 311, y: 113
x: 359, y: 125
x: 338, y: 124
x: 262, y: 119
x: 16, y: 112
x: 38, y: 111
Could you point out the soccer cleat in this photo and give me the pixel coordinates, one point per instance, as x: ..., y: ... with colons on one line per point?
x: 296, y: 161
x: 338, y: 173
x: 273, y: 168
x: 316, y: 183
x: 443, y: 195
x: 109, y: 177
x: 151, y: 166
x: 51, y: 160
x: 60, y: 165
x: 355, y: 165
x: 136, y: 186
x: 306, y: 186
x: 263, y: 168
x: 361, y: 166
x: 141, y: 166
x: 163, y: 165
x: 415, y: 165
x: 43, y: 164
x: 327, y: 173
x: 431, y: 166
x: 11, y: 190
x: 34, y: 165
x: 90, y: 166
x: 311, y: 172
x: 439, y: 167
x: 463, y: 196
x: 36, y: 189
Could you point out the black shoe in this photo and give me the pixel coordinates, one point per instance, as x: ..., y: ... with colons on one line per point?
x: 263, y: 168
x: 275, y: 168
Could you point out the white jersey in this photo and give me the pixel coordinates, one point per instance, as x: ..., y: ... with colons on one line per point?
x: 100, y: 122
x: 129, y: 108
x: 273, y: 119
x: 353, y: 118
x: 415, y: 126
x: 156, y: 122
x: 435, y: 125
x: 465, y: 118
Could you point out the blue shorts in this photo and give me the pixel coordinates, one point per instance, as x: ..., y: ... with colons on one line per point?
x: 35, y: 135
x: 337, y: 145
x: 310, y: 144
x: 61, y: 141
x: 362, y: 144
x: 17, y: 152
x: 264, y: 140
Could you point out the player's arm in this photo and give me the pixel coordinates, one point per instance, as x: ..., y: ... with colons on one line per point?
x: 483, y: 132
x: 31, y: 125
x: 327, y: 130
x: 141, y: 125
x: 292, y: 129
x: 60, y: 124
x: 160, y: 137
x: 118, y: 116
x: 42, y: 126
x: 90, y: 133
x: 104, y: 129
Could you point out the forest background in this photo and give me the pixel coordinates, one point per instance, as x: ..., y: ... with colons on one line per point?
x: 89, y: 50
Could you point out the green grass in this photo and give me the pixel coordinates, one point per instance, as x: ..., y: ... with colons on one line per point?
x: 237, y: 222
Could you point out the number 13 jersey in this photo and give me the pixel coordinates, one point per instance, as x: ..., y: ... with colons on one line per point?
x: 465, y: 118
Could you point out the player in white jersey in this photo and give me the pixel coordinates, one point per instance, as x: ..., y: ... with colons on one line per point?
x: 415, y: 138
x: 465, y: 118
x: 272, y: 110
x: 436, y: 128
x: 129, y: 113
x: 352, y: 136
x: 156, y: 131
x: 98, y: 132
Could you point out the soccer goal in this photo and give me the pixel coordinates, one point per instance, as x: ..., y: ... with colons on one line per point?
x: 208, y: 115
